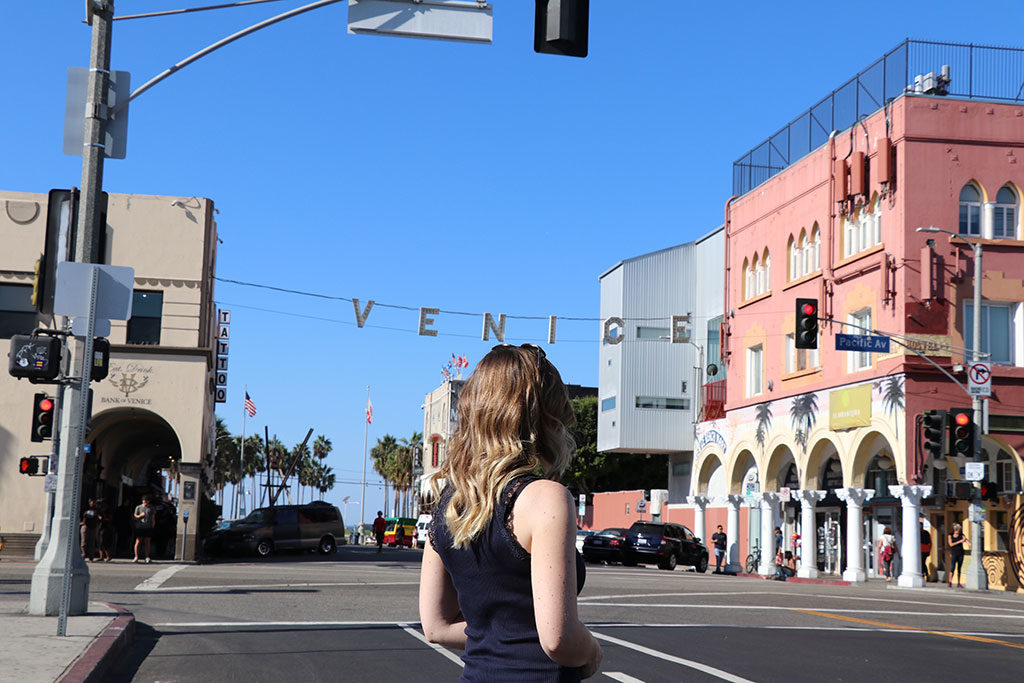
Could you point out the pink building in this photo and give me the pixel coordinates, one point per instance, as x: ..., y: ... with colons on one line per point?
x: 827, y: 444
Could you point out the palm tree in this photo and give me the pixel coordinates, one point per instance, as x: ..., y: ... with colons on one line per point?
x: 324, y: 479
x: 409, y: 444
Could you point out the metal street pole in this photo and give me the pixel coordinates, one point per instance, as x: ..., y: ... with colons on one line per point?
x: 60, y: 582
x: 976, y: 578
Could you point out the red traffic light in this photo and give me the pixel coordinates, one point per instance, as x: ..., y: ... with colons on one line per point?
x: 962, y: 419
x: 989, y: 491
x: 809, y: 309
x: 46, y: 405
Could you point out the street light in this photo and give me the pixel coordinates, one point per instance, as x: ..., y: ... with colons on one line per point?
x: 976, y: 578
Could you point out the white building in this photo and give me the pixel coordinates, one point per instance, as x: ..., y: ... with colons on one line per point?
x: 651, y: 388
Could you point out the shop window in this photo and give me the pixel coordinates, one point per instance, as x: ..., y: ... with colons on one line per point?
x: 714, y: 352
x: 147, y: 311
x: 17, y: 314
x: 799, y: 359
x: 997, y: 330
x: 652, y: 332
x: 1002, y: 528
x: 1006, y: 212
x: 970, y: 210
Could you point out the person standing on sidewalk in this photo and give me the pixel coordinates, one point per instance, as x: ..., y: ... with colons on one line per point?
x: 500, y: 572
x: 720, y: 540
x: 887, y: 552
x: 379, y: 526
x: 144, y: 518
x: 926, y: 551
x: 90, y: 528
x: 956, y: 542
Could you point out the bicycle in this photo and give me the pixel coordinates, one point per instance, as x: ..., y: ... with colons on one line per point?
x: 753, y: 560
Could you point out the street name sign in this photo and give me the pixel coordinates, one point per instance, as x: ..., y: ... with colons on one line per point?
x: 464, y: 21
x: 979, y: 379
x: 862, y: 342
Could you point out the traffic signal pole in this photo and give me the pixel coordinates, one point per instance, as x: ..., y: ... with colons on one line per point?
x: 60, y: 582
x: 976, y: 578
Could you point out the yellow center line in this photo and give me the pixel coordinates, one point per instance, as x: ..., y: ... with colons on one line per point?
x: 961, y: 636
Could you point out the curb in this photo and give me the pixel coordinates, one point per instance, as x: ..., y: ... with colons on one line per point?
x: 94, y: 664
x: 798, y: 579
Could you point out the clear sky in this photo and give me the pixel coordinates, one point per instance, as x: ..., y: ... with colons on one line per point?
x: 417, y: 173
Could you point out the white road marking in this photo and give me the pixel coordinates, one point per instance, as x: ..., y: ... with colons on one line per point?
x: 975, y: 615
x: 623, y: 678
x: 154, y: 582
x: 674, y: 595
x: 774, y: 627
x: 434, y: 646
x: 710, y: 670
x: 236, y: 624
x: 233, y: 586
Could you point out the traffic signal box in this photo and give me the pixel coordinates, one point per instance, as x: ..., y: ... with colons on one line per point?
x: 42, y: 417
x: 989, y: 491
x: 806, y: 324
x: 961, y: 432
x: 935, y: 427
x: 562, y: 27
x: 29, y: 466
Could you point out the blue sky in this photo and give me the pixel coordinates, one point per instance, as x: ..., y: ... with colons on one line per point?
x: 423, y: 173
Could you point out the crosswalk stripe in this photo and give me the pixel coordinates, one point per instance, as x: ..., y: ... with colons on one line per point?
x: 434, y: 646
x: 710, y: 670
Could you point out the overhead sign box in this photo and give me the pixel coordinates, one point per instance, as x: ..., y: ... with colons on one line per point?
x: 459, y: 20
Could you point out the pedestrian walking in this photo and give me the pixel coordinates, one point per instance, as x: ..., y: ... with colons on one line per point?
x: 89, y: 528
x: 956, y: 541
x: 778, y: 540
x: 144, y: 520
x: 379, y: 525
x: 399, y: 534
x: 500, y: 573
x: 887, y: 552
x: 720, y: 540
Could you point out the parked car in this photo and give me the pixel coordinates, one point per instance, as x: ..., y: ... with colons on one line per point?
x: 581, y: 535
x: 605, y: 545
x: 665, y: 544
x: 314, y: 526
x: 422, y: 529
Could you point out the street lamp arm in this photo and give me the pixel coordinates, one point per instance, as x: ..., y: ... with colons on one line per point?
x: 216, y: 46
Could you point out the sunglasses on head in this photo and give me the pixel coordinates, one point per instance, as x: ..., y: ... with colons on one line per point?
x: 531, y: 347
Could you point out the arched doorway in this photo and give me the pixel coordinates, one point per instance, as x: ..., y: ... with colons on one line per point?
x: 133, y: 452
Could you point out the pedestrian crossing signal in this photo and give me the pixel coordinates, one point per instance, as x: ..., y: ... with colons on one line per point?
x: 29, y: 466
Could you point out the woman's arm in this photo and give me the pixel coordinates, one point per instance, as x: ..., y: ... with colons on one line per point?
x: 544, y: 522
x: 439, y: 605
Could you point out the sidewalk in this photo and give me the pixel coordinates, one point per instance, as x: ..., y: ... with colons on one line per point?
x: 31, y: 650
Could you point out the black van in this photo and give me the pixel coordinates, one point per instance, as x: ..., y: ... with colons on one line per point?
x: 314, y: 526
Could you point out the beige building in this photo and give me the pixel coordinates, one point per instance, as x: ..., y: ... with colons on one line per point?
x: 440, y: 416
x: 152, y: 417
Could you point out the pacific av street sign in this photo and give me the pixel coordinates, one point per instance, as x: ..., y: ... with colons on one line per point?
x: 862, y: 342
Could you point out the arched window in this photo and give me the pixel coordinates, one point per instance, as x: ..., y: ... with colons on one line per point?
x: 794, y: 258
x: 748, y: 280
x: 970, y: 210
x: 766, y: 273
x: 1005, y: 223
x: 815, y: 248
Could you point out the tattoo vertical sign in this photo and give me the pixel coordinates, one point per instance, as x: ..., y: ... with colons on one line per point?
x: 220, y: 391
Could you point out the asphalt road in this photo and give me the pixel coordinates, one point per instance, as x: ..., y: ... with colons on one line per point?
x: 352, y: 616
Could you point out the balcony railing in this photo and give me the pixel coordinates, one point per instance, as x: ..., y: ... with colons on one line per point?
x: 976, y: 72
x: 713, y: 405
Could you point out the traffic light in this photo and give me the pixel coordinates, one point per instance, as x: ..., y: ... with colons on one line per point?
x: 961, y: 432
x: 561, y: 27
x: 934, y: 432
x: 29, y: 466
x: 806, y: 323
x: 989, y: 491
x: 42, y: 417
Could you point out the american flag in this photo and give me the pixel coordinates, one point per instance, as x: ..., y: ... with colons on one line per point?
x: 249, y: 406
x: 369, y: 411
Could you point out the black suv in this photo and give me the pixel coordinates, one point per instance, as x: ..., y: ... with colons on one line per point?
x: 665, y: 544
x: 314, y: 526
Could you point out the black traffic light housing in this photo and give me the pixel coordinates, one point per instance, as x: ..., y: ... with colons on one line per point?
x: 935, y: 427
x: 29, y: 466
x: 989, y: 491
x: 961, y: 431
x: 42, y: 417
x: 34, y: 358
x: 561, y: 27
x: 806, y: 323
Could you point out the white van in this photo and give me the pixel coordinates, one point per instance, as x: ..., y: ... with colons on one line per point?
x: 422, y: 527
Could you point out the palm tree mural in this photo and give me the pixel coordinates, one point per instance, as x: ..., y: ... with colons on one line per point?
x: 802, y: 415
x: 763, y: 417
x: 891, y: 389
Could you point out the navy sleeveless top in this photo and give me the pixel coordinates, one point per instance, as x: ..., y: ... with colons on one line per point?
x: 492, y: 579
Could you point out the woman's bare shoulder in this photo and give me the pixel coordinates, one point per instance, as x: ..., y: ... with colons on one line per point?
x: 543, y: 493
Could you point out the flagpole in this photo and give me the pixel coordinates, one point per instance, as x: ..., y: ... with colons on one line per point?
x: 362, y: 493
x: 240, y: 489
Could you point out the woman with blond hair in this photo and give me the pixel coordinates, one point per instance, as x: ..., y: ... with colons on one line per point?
x: 500, y: 572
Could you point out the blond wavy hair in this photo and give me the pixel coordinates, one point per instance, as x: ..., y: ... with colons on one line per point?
x: 514, y: 419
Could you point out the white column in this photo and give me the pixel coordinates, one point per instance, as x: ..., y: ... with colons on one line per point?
x: 732, y: 530
x: 700, y: 524
x: 854, y: 498
x: 910, y: 551
x: 769, y: 501
x: 808, y: 533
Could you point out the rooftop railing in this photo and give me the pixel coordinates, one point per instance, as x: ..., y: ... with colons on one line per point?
x: 976, y: 72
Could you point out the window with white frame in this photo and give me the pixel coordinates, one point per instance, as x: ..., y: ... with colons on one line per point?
x: 755, y: 370
x: 1004, y: 224
x: 765, y: 274
x: 799, y: 359
x: 860, y: 324
x: 748, y: 275
x: 795, y: 259
x: 814, y: 251
x: 662, y: 403
x: 997, y: 330
x: 646, y: 332
x: 970, y: 210
x: 863, y: 229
